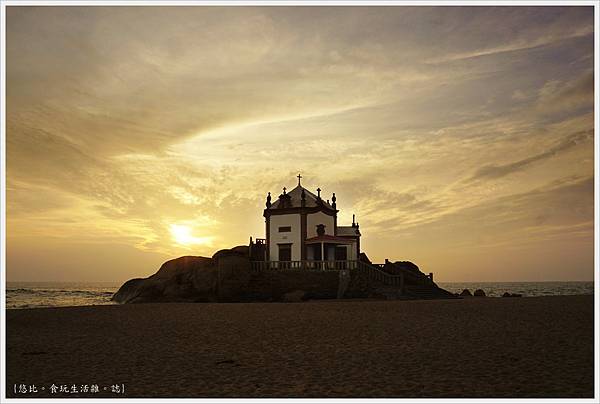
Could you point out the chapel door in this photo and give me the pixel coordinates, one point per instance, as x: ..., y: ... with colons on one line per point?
x: 285, y: 254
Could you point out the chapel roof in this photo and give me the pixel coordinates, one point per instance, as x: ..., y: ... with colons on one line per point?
x: 294, y: 198
x: 348, y: 231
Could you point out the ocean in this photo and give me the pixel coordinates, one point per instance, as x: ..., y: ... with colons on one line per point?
x: 496, y: 289
x: 24, y: 295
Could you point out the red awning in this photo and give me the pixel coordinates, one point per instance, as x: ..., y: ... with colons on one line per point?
x: 328, y: 239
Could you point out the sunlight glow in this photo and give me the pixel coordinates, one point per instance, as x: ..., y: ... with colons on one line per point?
x: 183, y: 235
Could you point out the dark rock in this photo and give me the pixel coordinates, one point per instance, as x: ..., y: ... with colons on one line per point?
x: 506, y: 294
x: 364, y: 258
x: 479, y: 293
x: 240, y: 250
x: 128, y: 291
x: 184, y: 279
x: 192, y: 279
x: 465, y: 292
x: 228, y: 277
x: 407, y: 265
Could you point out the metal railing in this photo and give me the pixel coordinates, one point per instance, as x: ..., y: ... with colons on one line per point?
x: 303, y: 265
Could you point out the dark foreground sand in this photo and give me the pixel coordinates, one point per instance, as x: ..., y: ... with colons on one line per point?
x: 478, y: 347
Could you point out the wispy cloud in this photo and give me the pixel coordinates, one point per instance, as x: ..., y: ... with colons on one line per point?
x: 497, y: 171
x: 135, y: 128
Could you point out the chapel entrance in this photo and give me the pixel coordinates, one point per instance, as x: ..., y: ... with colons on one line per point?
x: 285, y: 252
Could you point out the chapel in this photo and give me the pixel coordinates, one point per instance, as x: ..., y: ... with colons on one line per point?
x: 303, y: 227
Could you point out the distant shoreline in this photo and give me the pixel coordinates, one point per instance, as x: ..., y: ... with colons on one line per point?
x: 304, y: 302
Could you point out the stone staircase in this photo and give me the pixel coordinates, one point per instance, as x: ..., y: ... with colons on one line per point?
x: 403, y: 284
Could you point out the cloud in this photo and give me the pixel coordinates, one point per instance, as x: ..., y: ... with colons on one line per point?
x: 125, y: 121
x: 558, y: 210
x: 498, y: 171
x: 556, y: 96
x: 519, y: 45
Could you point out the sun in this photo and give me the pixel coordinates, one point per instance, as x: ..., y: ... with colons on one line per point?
x: 182, y: 235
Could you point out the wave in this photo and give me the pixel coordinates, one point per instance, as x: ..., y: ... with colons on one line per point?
x: 91, y: 292
x: 530, y: 289
x: 33, y: 297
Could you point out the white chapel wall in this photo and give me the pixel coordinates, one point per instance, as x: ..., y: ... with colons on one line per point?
x: 293, y: 237
x: 313, y: 219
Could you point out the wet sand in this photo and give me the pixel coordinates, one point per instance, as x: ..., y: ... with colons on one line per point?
x: 477, y: 347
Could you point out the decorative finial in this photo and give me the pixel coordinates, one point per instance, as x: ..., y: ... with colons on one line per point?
x: 299, y: 177
x: 353, y: 224
x: 333, y: 199
x: 268, y: 200
x: 319, y: 193
x: 284, y: 188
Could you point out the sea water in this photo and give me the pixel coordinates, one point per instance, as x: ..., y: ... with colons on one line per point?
x: 23, y: 295
x: 495, y: 289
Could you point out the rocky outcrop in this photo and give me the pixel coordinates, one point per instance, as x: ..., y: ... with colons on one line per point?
x: 479, y: 293
x: 465, y: 292
x: 227, y: 277
x: 189, y: 279
x: 364, y: 258
x: 506, y: 294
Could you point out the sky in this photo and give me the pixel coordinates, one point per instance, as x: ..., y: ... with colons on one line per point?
x: 461, y: 137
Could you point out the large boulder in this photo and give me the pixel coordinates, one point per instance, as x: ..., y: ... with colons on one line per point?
x: 412, y: 273
x: 364, y: 258
x: 190, y: 279
x: 506, y: 294
x: 465, y: 292
x: 479, y: 293
x: 408, y: 266
x: 128, y: 291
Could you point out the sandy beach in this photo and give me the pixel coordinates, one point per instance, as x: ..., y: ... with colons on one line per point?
x: 478, y: 347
